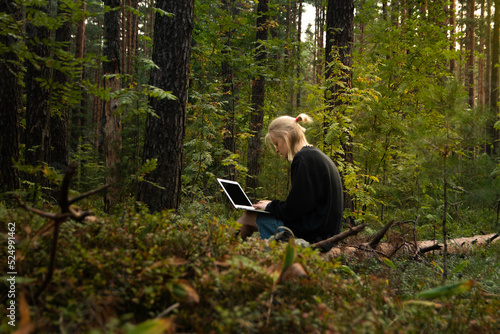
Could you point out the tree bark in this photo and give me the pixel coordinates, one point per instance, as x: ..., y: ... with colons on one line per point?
x: 495, y: 48
x: 37, y: 135
x: 339, y: 39
x: 229, y: 136
x: 165, y: 135
x: 112, y: 122
x: 258, y: 98
x: 60, y: 122
x: 480, y: 72
x: 470, y: 49
x: 10, y: 95
x: 453, y: 40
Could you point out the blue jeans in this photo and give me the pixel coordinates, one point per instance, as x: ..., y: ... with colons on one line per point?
x: 267, y: 225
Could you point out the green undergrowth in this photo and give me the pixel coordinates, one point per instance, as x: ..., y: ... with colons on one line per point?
x: 133, y: 271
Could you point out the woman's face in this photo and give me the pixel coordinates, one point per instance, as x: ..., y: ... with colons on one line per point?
x: 280, y: 145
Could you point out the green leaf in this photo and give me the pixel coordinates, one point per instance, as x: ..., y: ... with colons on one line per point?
x: 290, y: 253
x: 447, y: 290
x: 460, y: 267
x: 153, y: 326
x: 389, y: 263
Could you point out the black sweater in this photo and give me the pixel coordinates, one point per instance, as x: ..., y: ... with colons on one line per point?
x: 314, y: 207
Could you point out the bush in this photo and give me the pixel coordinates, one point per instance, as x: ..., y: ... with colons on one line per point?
x: 117, y: 274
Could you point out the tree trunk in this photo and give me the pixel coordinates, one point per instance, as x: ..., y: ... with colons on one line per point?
x: 339, y: 39
x: 487, y: 74
x: 165, y: 134
x: 10, y: 95
x: 299, y: 69
x: 495, y: 48
x: 258, y: 94
x: 229, y: 137
x: 453, y: 27
x: 480, y: 71
x: 60, y: 122
x: 37, y: 134
x: 112, y: 122
x: 470, y: 50
x: 319, y: 36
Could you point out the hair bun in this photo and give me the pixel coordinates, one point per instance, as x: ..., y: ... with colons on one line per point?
x: 303, y: 118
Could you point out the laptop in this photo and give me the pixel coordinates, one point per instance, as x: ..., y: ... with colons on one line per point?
x: 237, y: 196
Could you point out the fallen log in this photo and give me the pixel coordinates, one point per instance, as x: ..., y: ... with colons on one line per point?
x: 387, y: 249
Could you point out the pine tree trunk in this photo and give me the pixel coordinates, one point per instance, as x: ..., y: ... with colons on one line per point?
x: 298, y: 69
x: 164, y: 137
x: 470, y: 50
x: 10, y: 95
x: 487, y: 71
x: 37, y: 134
x: 339, y: 39
x: 453, y: 27
x: 112, y: 122
x: 495, y: 48
x: 229, y: 137
x: 60, y: 122
x: 480, y: 71
x: 258, y: 97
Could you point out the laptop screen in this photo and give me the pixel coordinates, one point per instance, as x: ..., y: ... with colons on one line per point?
x: 236, y: 193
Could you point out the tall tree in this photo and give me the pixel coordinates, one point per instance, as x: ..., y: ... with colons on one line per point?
x: 112, y: 122
x: 470, y: 50
x: 487, y: 50
x: 299, y: 69
x: 495, y: 61
x: 453, y: 26
x: 10, y: 95
x: 37, y: 134
x: 480, y: 72
x: 258, y: 98
x: 165, y: 134
x: 339, y: 39
x: 59, y: 120
x: 229, y: 137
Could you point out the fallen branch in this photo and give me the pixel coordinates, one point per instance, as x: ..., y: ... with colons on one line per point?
x: 429, y: 248
x: 380, y: 234
x: 330, y: 242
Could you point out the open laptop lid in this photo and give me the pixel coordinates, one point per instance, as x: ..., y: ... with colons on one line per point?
x: 237, y: 196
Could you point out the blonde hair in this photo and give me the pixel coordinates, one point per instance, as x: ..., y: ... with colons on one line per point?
x: 289, y: 129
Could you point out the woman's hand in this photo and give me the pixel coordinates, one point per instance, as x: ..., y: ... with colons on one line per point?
x: 261, y: 205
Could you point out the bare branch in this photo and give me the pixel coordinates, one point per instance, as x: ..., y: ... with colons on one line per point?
x: 380, y: 234
x: 330, y: 242
x: 87, y: 194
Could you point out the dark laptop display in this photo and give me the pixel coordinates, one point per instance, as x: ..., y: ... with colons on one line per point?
x: 237, y: 196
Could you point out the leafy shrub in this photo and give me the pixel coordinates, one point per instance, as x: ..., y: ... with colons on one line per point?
x: 117, y: 274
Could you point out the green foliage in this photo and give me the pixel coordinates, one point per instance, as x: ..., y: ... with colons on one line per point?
x: 117, y: 274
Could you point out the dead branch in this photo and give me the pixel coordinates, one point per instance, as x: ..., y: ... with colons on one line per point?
x: 330, y: 242
x: 429, y: 248
x: 68, y: 211
x: 87, y: 194
x: 380, y: 234
x: 493, y: 238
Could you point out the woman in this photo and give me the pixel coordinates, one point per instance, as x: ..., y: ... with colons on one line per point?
x: 313, y: 209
